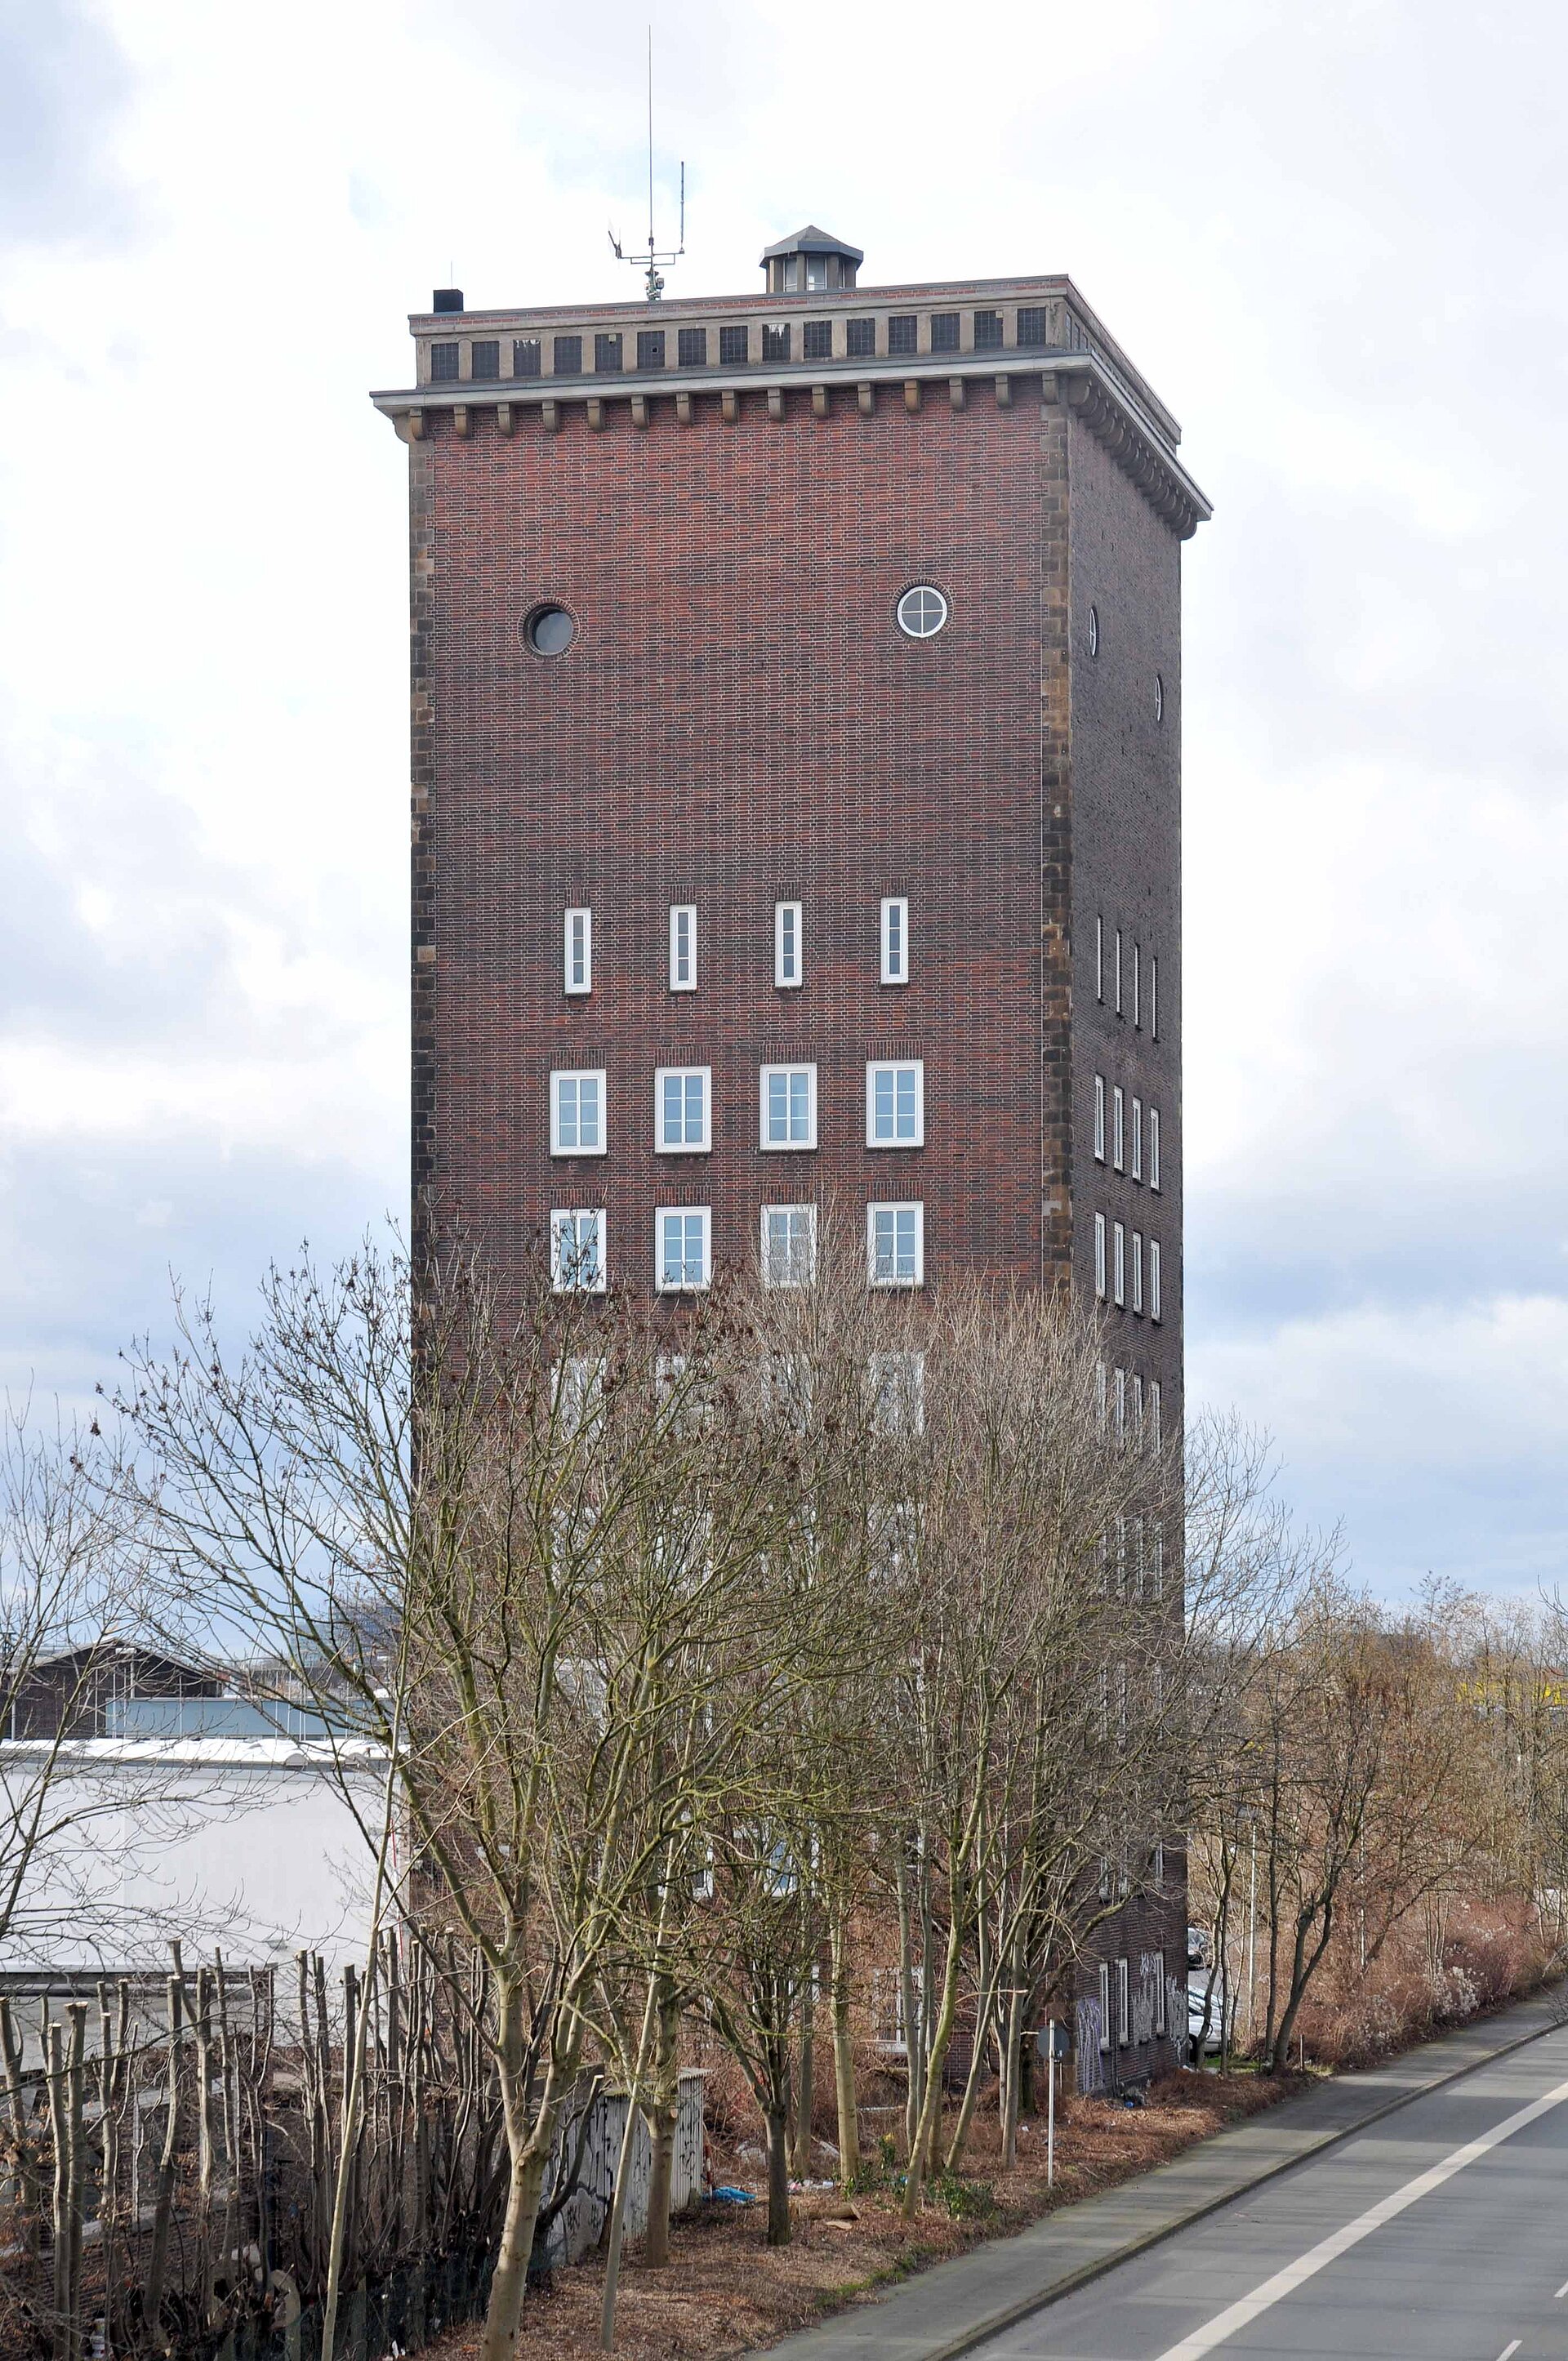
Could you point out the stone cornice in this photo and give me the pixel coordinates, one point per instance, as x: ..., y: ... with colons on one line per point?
x: 1087, y: 383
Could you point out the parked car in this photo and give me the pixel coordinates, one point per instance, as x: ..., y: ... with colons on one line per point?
x: 1200, y: 2000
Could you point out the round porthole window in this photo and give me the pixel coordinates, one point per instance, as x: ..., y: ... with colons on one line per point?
x: 1158, y: 698
x: 922, y: 612
x: 1095, y: 630
x: 549, y: 631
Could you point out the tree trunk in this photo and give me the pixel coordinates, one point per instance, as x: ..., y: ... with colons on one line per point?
x: 844, y: 2056
x: 923, y: 2143
x: 984, y: 2010
x: 806, y: 2105
x: 663, y: 2116
x: 914, y: 2093
x: 529, y: 2149
x: 1011, y: 2042
x: 1303, y: 1970
x: 778, y: 2177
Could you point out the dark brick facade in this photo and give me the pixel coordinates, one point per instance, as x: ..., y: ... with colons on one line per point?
x: 739, y: 721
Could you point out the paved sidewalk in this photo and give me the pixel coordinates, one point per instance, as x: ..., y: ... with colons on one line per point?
x: 950, y: 2309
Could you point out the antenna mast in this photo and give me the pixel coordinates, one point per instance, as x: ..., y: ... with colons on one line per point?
x: 653, y: 279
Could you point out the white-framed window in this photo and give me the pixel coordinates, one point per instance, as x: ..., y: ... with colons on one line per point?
x: 578, y: 950
x: 1137, y: 1139
x: 577, y: 1113
x: 895, y: 1105
x: 683, y: 1124
x: 1100, y: 1118
x: 1154, y: 997
x: 898, y: 1392
x: 1154, y: 1148
x: 1101, y: 1393
x: 1105, y: 1979
x: 1100, y: 1256
x: 1118, y: 1127
x: 1119, y: 1263
x: 894, y: 938
x: 578, y: 1391
x: 683, y: 947
x: 1138, y: 1440
x: 1138, y: 1273
x: 1155, y: 1311
x: 1156, y: 1562
x: 789, y: 966
x: 1099, y: 959
x: 895, y: 1245
x: 789, y: 1106
x: 1118, y: 975
x: 1138, y: 986
x: 577, y: 1250
x: 1155, y: 1439
x: 1158, y: 1873
x: 683, y: 1248
x: 1122, y: 1712
x: 789, y: 1246
x: 1121, y: 1405
x: 1124, y: 2004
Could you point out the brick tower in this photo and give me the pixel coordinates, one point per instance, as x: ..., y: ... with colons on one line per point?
x: 797, y: 722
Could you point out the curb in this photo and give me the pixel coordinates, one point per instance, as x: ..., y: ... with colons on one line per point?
x: 1083, y: 2274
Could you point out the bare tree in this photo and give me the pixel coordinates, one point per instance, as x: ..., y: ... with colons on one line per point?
x: 528, y: 1503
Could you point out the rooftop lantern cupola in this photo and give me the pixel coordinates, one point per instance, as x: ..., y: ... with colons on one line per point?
x: 811, y: 263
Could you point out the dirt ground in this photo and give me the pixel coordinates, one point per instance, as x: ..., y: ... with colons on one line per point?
x: 727, y: 2291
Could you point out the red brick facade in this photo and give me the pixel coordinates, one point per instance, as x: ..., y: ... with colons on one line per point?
x: 739, y: 721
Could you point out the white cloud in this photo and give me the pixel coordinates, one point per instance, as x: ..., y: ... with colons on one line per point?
x: 1334, y: 241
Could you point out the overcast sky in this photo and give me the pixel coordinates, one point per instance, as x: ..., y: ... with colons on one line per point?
x: 1331, y: 237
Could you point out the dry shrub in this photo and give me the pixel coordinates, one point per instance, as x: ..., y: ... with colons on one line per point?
x: 1486, y: 1954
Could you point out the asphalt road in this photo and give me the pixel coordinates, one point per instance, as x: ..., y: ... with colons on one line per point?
x: 1440, y: 2233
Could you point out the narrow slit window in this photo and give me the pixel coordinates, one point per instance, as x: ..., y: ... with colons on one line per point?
x: 1137, y: 1159
x: 1099, y: 958
x: 683, y: 947
x: 788, y: 962
x: 1137, y: 987
x: 1154, y: 1441
x: 1118, y: 975
x: 896, y: 940
x: 1100, y: 1258
x: 1118, y: 1127
x: 1156, y: 1310
x: 1138, y: 1273
x: 1100, y: 1118
x: 1119, y: 1263
x: 1154, y: 999
x: 1154, y: 1148
x: 579, y: 950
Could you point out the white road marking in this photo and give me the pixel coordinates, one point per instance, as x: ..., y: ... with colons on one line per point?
x: 1562, y: 2292
x: 1241, y: 2315
x: 1514, y: 2347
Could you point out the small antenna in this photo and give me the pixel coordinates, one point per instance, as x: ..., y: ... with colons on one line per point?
x: 652, y: 276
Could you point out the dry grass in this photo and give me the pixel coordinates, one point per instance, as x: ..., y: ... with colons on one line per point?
x: 727, y: 2291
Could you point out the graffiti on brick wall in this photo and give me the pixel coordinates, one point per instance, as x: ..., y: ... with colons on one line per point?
x: 1176, y: 2011
x: 1090, y: 2063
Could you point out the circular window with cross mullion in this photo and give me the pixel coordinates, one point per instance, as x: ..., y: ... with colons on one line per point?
x: 921, y: 612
